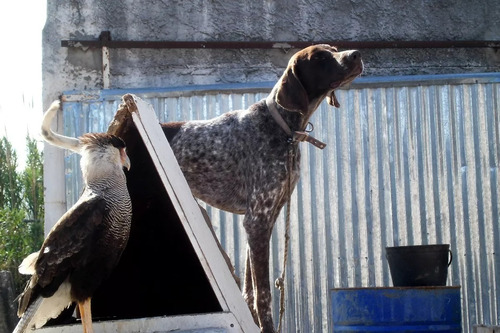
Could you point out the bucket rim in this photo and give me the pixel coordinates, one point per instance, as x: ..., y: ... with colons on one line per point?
x: 423, y: 246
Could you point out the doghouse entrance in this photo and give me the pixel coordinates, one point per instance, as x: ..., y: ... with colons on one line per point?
x: 159, y: 273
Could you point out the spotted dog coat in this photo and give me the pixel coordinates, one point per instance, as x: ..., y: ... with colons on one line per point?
x: 238, y: 161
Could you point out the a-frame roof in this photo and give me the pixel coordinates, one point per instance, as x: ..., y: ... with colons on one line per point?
x: 128, y: 289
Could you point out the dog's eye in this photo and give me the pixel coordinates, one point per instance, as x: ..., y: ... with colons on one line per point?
x: 320, y: 56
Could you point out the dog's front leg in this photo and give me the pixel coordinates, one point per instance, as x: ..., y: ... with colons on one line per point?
x: 248, y: 287
x: 259, y: 234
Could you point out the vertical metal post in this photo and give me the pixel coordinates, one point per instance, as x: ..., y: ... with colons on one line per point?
x: 54, y: 174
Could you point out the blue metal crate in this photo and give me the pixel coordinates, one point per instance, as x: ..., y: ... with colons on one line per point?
x: 395, y: 309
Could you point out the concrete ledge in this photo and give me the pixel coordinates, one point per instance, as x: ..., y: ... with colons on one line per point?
x: 223, y: 322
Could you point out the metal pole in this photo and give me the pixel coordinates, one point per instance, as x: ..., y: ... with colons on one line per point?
x: 105, y: 40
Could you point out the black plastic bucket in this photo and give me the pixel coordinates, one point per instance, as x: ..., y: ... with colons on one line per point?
x: 419, y: 265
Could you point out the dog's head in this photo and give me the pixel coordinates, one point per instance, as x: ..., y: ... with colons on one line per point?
x: 313, y: 74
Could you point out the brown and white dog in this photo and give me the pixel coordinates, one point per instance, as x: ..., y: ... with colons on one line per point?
x: 238, y: 162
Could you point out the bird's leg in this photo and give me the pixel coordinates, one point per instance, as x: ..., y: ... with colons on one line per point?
x: 86, y: 316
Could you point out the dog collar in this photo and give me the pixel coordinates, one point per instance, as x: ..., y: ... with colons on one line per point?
x: 295, y: 135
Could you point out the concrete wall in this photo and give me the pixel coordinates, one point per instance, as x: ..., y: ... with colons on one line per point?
x: 259, y: 20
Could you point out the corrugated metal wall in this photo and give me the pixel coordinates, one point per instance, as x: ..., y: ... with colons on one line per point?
x: 410, y: 160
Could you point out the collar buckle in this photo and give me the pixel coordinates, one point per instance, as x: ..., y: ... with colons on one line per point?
x: 295, y: 136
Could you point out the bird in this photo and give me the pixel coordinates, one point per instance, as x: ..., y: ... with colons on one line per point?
x: 86, y: 243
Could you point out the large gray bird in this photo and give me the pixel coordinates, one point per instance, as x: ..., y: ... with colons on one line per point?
x: 86, y: 243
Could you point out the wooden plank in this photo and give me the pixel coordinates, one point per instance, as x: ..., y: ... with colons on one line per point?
x: 189, y: 213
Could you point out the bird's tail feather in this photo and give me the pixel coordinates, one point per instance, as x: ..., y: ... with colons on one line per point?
x: 25, y: 321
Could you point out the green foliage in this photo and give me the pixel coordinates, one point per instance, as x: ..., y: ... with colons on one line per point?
x: 16, y: 242
x: 21, y: 207
x: 10, y: 185
x: 32, y: 184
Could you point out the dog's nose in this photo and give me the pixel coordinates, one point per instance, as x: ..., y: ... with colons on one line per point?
x: 350, y: 57
x: 354, y: 55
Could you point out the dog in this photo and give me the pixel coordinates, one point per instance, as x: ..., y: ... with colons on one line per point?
x: 247, y: 161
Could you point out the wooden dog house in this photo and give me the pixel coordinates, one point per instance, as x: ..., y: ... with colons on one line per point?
x: 173, y: 275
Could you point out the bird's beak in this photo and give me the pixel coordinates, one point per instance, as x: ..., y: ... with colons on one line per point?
x: 126, y: 163
x: 125, y: 159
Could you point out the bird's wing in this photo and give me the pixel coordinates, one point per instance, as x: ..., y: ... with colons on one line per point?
x: 70, y: 240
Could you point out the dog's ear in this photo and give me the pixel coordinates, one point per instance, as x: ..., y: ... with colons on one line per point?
x: 291, y: 94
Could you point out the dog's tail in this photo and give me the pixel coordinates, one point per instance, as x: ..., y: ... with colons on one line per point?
x: 53, y: 138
